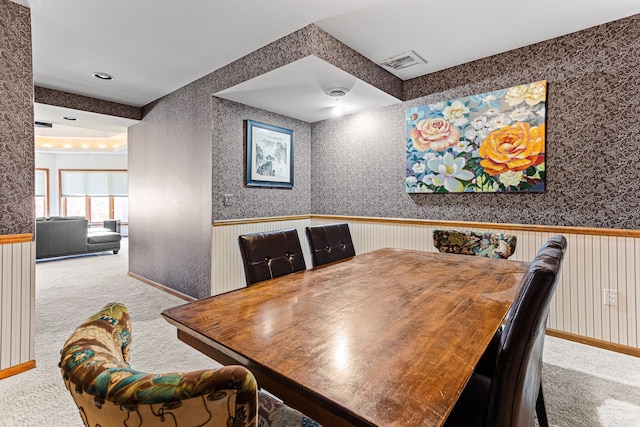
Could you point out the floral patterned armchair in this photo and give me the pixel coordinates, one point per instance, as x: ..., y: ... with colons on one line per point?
x: 492, y: 245
x: 108, y: 392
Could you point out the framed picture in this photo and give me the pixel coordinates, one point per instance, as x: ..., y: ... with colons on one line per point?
x: 269, y: 155
x: 490, y: 142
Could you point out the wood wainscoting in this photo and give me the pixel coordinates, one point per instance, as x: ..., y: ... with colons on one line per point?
x: 596, y: 259
x: 17, y: 303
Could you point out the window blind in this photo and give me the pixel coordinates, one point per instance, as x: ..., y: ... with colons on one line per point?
x: 41, y: 183
x: 94, y: 183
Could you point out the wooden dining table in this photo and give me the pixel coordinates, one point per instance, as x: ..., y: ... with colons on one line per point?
x: 386, y: 338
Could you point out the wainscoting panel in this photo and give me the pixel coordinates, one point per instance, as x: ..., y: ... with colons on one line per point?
x: 17, y: 303
x: 595, y: 260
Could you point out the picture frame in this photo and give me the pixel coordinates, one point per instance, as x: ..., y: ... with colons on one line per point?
x: 269, y: 155
x: 491, y: 142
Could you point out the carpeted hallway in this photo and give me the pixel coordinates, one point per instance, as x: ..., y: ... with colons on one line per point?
x: 584, y: 386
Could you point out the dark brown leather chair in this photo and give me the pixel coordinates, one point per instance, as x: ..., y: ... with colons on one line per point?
x: 270, y: 254
x: 330, y: 243
x: 558, y: 241
x: 510, y: 394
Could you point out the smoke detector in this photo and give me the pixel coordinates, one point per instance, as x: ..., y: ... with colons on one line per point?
x: 336, y: 92
x: 403, y: 60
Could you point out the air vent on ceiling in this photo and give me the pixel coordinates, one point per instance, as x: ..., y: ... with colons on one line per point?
x: 42, y: 125
x: 403, y: 60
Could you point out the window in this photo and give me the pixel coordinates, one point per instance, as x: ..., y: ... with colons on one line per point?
x: 42, y: 192
x: 97, y: 195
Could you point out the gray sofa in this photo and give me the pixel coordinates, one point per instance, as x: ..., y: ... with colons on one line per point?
x: 61, y: 236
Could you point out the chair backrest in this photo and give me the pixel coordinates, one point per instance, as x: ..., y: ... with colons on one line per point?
x: 270, y: 254
x: 516, y: 383
x: 108, y: 392
x: 492, y: 245
x: 329, y: 243
x: 558, y: 241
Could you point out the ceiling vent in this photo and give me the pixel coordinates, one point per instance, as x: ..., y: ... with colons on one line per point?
x: 403, y: 60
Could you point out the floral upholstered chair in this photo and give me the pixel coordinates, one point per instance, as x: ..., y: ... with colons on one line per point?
x: 492, y: 245
x: 108, y: 392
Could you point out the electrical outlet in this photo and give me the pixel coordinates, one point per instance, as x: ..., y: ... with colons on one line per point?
x: 610, y: 297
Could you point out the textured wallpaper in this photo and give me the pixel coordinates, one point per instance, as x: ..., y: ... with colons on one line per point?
x: 229, y: 160
x: 355, y: 165
x: 333, y: 51
x: 211, y: 130
x: 16, y: 121
x: 84, y: 103
x: 170, y: 194
x: 592, y: 141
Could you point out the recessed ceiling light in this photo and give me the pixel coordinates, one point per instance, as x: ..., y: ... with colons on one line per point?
x: 102, y: 76
x: 71, y: 118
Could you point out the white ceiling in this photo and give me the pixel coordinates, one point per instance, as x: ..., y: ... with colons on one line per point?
x: 303, y: 83
x: 153, y: 47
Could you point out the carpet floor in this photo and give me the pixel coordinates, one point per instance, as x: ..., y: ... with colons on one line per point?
x: 584, y: 386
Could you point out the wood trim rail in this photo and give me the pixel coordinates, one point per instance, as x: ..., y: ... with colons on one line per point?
x: 613, y: 232
x: 593, y: 342
x: 162, y: 287
x: 15, y: 238
x: 259, y: 220
x: 17, y: 369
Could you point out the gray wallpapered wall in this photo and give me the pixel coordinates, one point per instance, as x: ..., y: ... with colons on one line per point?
x: 16, y: 114
x: 229, y: 174
x: 171, y: 182
x: 170, y: 193
x: 358, y: 161
x: 170, y: 229
x: 84, y: 103
x: 592, y: 142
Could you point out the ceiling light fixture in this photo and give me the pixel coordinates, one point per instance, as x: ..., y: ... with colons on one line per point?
x: 337, y: 93
x: 102, y: 76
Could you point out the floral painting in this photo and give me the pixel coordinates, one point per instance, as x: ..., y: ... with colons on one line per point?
x: 491, y: 142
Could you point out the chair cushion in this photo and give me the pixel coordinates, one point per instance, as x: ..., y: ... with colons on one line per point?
x: 102, y: 237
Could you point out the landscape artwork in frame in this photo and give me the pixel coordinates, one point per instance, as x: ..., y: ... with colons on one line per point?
x: 269, y: 155
x: 490, y: 142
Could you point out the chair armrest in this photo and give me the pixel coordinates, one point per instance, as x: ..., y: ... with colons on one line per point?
x: 126, y: 385
x: 112, y: 224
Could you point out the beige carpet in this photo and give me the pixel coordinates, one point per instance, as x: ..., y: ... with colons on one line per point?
x: 584, y: 386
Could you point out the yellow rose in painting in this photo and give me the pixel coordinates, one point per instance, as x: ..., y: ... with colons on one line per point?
x: 434, y: 134
x: 536, y: 93
x: 516, y: 95
x: 512, y: 148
